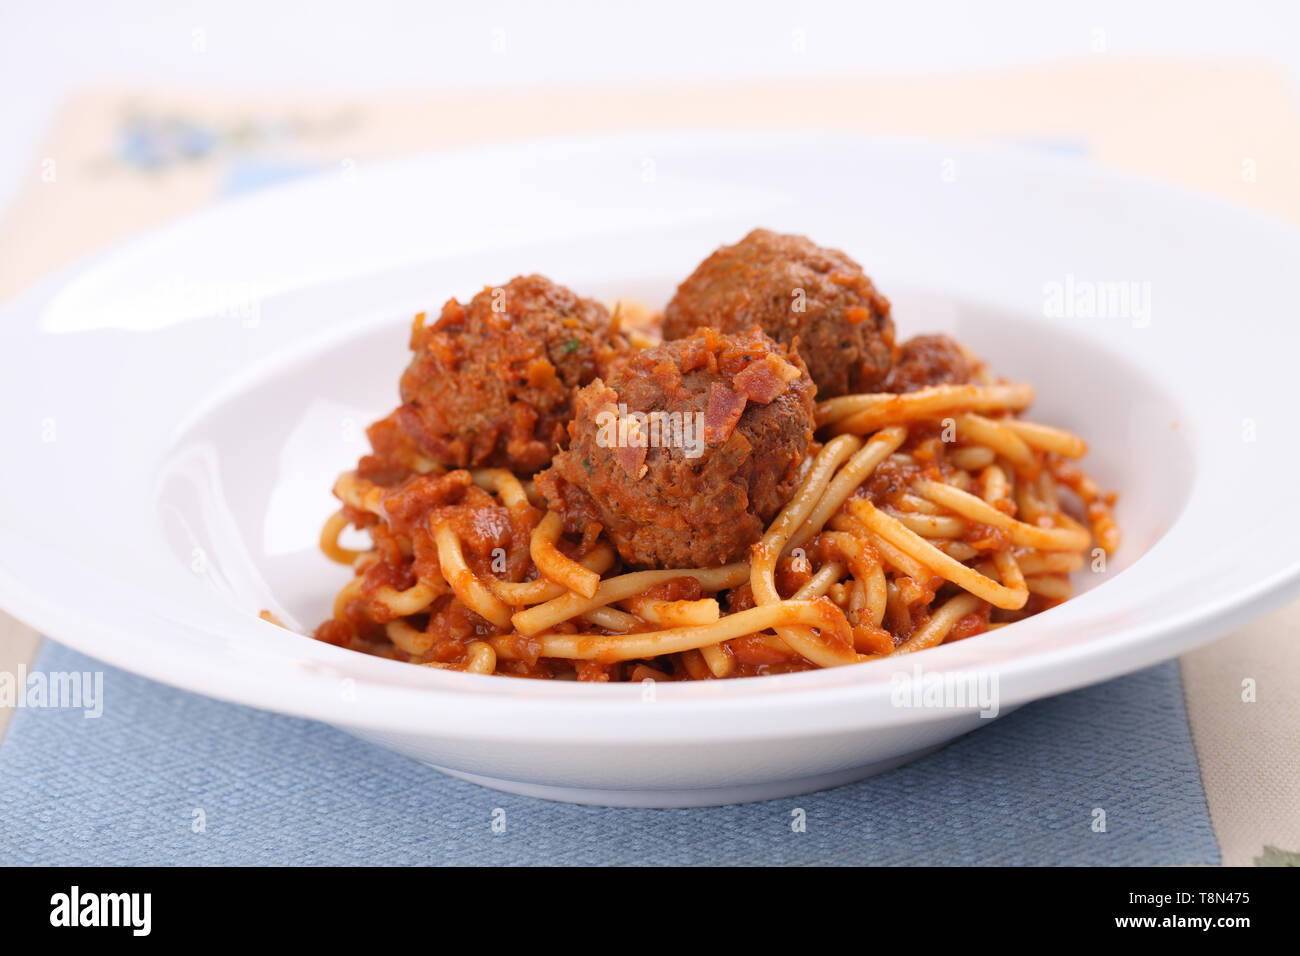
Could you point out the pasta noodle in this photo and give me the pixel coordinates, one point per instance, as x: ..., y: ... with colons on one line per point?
x: 924, y: 518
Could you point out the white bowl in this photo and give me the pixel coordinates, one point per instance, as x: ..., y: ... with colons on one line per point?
x: 175, y: 411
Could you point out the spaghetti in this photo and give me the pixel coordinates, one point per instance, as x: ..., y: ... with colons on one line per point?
x: 759, y: 480
x: 923, y: 517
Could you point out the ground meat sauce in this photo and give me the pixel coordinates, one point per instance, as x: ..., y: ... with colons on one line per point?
x: 492, y: 382
x: 494, y: 541
x: 931, y: 360
x: 747, y: 401
x: 894, y: 476
x: 798, y: 293
x: 970, y: 625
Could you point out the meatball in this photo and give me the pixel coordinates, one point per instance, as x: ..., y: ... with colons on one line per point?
x: 687, y: 451
x: 492, y: 382
x: 927, y: 360
x: 797, y: 292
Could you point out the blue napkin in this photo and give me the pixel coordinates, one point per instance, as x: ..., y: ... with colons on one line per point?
x: 169, y: 777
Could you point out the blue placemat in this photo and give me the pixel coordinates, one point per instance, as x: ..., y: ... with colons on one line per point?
x: 128, y: 787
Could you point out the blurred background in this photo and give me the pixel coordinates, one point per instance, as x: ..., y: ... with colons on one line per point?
x: 142, y: 110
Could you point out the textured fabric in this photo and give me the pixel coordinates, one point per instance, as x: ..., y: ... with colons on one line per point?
x: 124, y: 788
x: 1243, y: 703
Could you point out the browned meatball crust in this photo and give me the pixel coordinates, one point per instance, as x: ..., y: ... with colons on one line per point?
x: 671, y: 502
x: 492, y: 382
x: 794, y: 290
x: 927, y: 360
